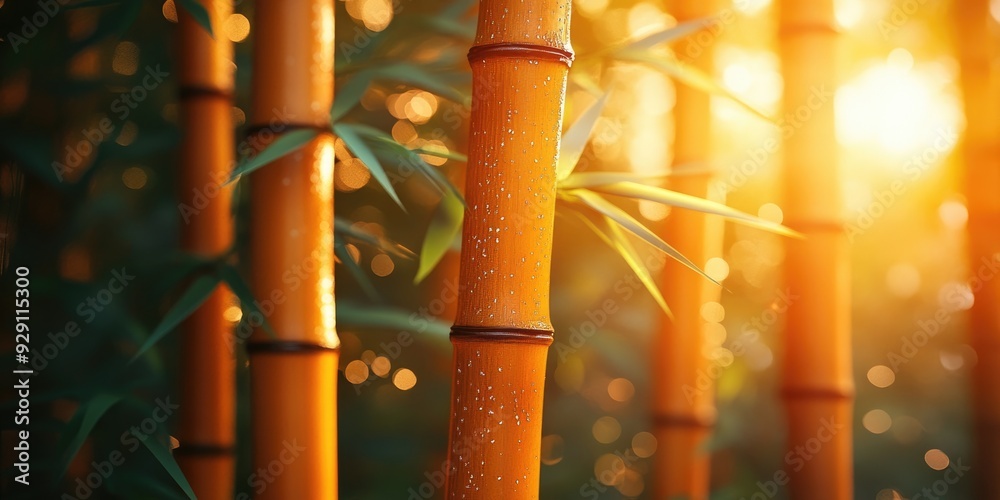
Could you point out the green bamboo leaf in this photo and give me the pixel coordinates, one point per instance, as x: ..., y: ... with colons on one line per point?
x: 449, y: 154
x: 162, y: 455
x: 691, y: 76
x: 388, y: 318
x: 419, y: 77
x: 610, y: 210
x: 575, y: 140
x: 359, y: 274
x: 446, y: 223
x: 617, y: 240
x: 349, y: 94
x: 437, y: 180
x: 667, y: 197
x: 283, y: 145
x: 242, y: 290
x: 194, y: 297
x: 81, y: 425
x: 350, y: 135
x: 348, y: 229
x: 198, y: 12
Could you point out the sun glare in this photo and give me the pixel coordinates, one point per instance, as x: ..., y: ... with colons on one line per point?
x: 896, y: 106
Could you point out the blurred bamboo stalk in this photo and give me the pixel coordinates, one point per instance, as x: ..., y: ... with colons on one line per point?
x: 817, y: 386
x: 293, y: 375
x: 980, y: 82
x: 683, y: 408
x: 520, y: 61
x: 207, y: 425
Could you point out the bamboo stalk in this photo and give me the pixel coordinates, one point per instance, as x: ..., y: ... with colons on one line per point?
x: 683, y: 408
x: 817, y: 386
x: 520, y: 62
x: 980, y: 84
x: 207, y: 423
x: 293, y: 376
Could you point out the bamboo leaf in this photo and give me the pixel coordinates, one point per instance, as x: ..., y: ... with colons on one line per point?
x: 673, y: 198
x: 358, y: 316
x: 80, y: 426
x: 195, y: 296
x: 438, y: 180
x: 354, y: 142
x: 349, y: 94
x: 446, y: 223
x: 691, y: 76
x: 242, y: 290
x: 575, y: 140
x: 610, y: 210
x: 348, y: 229
x: 359, y: 274
x: 198, y: 12
x: 585, y: 81
x: 162, y: 455
x: 617, y: 240
x: 590, y: 179
x: 449, y: 154
x: 668, y: 35
x: 281, y: 146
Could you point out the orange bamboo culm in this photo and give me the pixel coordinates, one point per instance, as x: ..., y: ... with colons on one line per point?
x: 293, y: 376
x: 817, y: 386
x: 520, y: 61
x: 683, y: 405
x: 981, y: 153
x: 207, y: 426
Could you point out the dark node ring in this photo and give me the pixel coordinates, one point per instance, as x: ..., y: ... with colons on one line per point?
x: 288, y: 347
x: 513, y: 335
x: 520, y: 50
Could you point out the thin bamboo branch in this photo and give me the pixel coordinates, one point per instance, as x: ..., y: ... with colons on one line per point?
x: 207, y: 427
x: 980, y: 83
x: 520, y: 62
x: 817, y: 385
x: 683, y: 407
x: 293, y: 376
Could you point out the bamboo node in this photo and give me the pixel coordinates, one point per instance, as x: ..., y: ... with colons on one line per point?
x: 289, y: 347
x: 520, y: 50
x: 494, y: 334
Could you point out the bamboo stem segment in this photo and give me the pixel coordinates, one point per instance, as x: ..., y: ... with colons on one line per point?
x: 980, y: 84
x: 683, y: 407
x: 207, y: 427
x: 817, y: 385
x: 293, y: 375
x: 520, y: 63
